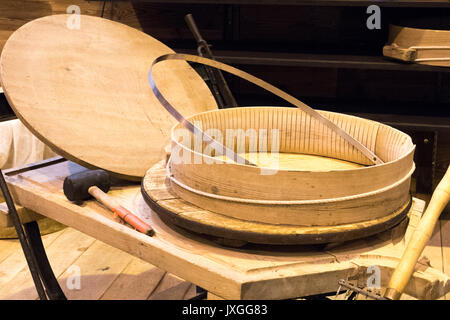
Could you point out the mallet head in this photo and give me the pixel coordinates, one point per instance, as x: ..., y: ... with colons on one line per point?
x: 76, y: 186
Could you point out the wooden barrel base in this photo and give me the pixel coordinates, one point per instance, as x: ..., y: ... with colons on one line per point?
x: 175, y: 211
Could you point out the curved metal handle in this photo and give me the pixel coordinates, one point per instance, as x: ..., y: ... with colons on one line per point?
x: 215, y: 64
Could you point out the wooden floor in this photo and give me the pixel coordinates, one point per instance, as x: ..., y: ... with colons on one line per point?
x: 90, y: 269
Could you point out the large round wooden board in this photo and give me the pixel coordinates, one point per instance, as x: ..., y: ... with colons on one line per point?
x: 85, y: 92
x: 174, y: 210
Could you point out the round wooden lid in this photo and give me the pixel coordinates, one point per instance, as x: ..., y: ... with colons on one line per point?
x: 85, y: 93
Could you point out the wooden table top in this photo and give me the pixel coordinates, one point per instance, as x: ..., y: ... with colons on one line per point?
x: 254, y: 272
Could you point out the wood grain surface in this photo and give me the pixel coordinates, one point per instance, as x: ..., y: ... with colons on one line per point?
x: 401, y: 39
x: 84, y: 92
x: 261, y: 272
x: 325, y: 196
x: 175, y: 210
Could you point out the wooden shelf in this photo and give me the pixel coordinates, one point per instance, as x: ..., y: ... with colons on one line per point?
x: 316, y: 60
x: 362, y: 3
x: 410, y: 122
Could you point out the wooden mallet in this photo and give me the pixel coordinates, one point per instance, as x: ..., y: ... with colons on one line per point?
x: 81, y: 186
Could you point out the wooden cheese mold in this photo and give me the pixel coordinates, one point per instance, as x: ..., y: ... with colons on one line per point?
x: 319, y: 185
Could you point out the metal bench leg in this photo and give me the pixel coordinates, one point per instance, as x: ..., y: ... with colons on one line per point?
x: 52, y: 288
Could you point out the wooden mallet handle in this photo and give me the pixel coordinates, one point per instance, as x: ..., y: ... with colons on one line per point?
x: 419, y: 239
x: 122, y: 212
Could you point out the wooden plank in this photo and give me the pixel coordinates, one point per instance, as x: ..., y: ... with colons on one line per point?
x: 177, y: 292
x: 16, y: 262
x: 99, y: 266
x: 167, y: 282
x: 442, y: 161
x: 433, y: 251
x: 364, y: 3
x: 234, y: 274
x: 310, y: 60
x: 62, y: 252
x: 123, y: 12
x: 25, y: 215
x: 211, y: 296
x: 95, y: 221
x: 46, y: 226
x: 445, y: 245
x: 403, y: 121
x: 136, y: 282
x: 404, y: 38
x: 7, y: 248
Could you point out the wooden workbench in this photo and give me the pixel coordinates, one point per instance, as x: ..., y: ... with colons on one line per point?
x: 254, y: 272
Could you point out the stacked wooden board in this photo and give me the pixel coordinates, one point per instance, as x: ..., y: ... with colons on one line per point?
x: 423, y: 46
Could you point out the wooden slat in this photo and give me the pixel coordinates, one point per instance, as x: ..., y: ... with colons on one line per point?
x: 100, y: 265
x: 177, y: 292
x: 127, y: 285
x: 7, y: 248
x: 136, y: 282
x: 167, y: 282
x: 442, y: 161
x: 311, y: 60
x: 433, y: 250
x: 228, y: 273
x: 62, y: 252
x: 122, y: 11
x: 16, y: 262
x: 387, y: 3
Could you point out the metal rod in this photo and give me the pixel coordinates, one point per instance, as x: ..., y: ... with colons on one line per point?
x: 366, y: 293
x: 29, y: 255
x: 219, y: 85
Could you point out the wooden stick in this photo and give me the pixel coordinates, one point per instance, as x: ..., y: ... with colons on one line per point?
x: 122, y: 212
x: 422, y: 234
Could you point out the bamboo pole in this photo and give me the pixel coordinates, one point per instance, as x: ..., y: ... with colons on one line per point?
x: 422, y: 234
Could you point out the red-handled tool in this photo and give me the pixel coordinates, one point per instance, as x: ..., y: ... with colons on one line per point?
x: 81, y: 186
